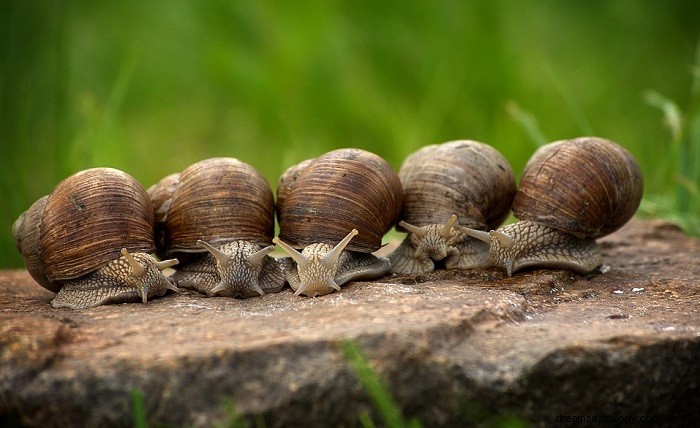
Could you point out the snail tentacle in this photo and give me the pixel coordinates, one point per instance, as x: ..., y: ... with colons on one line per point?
x: 447, y: 186
x: 115, y: 283
x: 235, y: 269
x: 325, y: 268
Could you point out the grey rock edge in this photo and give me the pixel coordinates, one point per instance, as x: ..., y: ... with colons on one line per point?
x: 452, y: 347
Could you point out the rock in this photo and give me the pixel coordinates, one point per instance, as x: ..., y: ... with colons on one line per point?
x: 452, y: 348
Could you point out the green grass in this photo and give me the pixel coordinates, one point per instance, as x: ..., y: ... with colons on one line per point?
x: 382, y: 400
x: 138, y: 409
x: 681, y: 170
x: 153, y: 87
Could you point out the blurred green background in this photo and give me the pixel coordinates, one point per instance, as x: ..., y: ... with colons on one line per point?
x: 151, y: 87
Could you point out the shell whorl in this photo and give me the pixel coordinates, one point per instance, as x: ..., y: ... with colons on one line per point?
x: 83, y: 225
x: 586, y: 186
x: 218, y: 200
x: 467, y: 178
x: 339, y: 191
x: 27, y: 234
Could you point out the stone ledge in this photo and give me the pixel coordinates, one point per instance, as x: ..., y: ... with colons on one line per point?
x: 450, y: 346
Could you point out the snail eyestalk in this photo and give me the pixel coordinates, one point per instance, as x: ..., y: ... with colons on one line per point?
x: 316, y: 266
x: 447, y: 243
x: 162, y: 265
x: 478, y: 234
x: 504, y: 240
x: 137, y: 269
x: 446, y: 231
x: 332, y: 257
x: 144, y: 277
x: 298, y: 258
x: 418, y: 231
x: 219, y: 255
x: 529, y: 244
x: 257, y: 258
x: 234, y: 269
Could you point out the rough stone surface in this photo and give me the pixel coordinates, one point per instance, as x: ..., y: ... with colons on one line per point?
x: 452, y: 347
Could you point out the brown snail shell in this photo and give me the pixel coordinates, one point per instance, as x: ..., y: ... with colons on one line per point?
x: 447, y: 186
x: 467, y: 178
x: 588, y: 187
x: 342, y: 190
x: 219, y: 200
x: 337, y: 207
x: 288, y: 178
x: 27, y: 235
x: 81, y: 227
x: 571, y: 192
x: 224, y: 209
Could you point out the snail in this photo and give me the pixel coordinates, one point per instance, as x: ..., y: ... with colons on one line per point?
x: 571, y: 192
x: 336, y: 208
x: 89, y: 241
x: 449, y: 187
x: 218, y: 217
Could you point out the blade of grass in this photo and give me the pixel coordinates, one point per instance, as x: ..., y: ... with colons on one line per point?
x: 139, y: 409
x: 232, y: 418
x: 685, y: 138
x: 693, y: 134
x: 385, y: 404
x: 574, y: 106
x: 671, y: 112
x: 527, y: 122
x: 672, y: 118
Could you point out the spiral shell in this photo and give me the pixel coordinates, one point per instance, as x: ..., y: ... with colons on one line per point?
x: 27, y: 235
x: 337, y: 192
x: 83, y: 224
x: 587, y: 186
x: 216, y: 200
x: 467, y: 178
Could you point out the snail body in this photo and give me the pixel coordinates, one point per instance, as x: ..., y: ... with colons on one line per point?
x: 571, y: 193
x: 218, y: 216
x: 90, y: 241
x: 449, y: 187
x: 336, y: 208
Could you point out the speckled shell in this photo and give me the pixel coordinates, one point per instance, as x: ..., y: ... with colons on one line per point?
x: 342, y: 190
x: 217, y: 200
x: 467, y: 178
x: 586, y: 186
x: 83, y: 224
